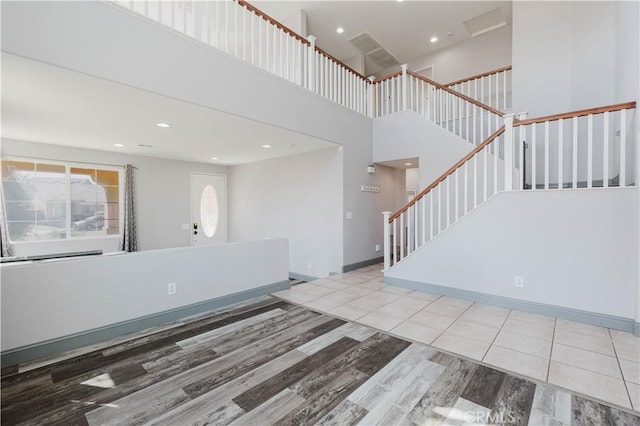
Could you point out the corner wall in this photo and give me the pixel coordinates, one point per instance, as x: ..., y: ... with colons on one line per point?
x: 296, y: 197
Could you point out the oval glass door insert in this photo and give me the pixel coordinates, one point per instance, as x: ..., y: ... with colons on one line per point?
x: 209, y: 211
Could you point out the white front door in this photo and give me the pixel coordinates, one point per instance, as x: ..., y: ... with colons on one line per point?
x: 208, y: 209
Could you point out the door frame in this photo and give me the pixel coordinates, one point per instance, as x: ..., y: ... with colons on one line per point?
x: 226, y: 204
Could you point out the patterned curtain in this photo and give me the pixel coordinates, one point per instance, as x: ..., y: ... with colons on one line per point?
x: 129, y: 239
x: 5, y: 248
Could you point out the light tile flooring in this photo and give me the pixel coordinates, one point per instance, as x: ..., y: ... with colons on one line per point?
x: 593, y: 361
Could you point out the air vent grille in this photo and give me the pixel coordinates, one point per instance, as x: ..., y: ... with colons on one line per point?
x: 364, y: 43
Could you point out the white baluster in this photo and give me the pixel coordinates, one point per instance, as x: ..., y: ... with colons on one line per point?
x: 623, y: 148
x: 431, y: 214
x: 475, y: 181
x: 485, y: 173
x: 423, y: 217
x: 416, y: 226
x: 404, y: 86
x: 496, y: 156
x: 311, y: 70
x: 590, y: 151
x: 560, y: 153
x: 395, y: 247
x: 574, y: 179
x: 448, y: 210
x: 402, y: 230
x: 605, y: 153
x: 386, y: 241
x: 546, y: 155
x: 508, y: 152
x: 533, y: 158
x: 457, y: 195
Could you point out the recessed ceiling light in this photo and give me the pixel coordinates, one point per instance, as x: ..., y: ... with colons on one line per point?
x: 340, y: 30
x: 119, y: 145
x: 266, y: 146
x: 408, y: 164
x: 214, y: 158
x: 449, y: 35
x: 433, y: 39
x: 163, y: 125
x: 399, y: 1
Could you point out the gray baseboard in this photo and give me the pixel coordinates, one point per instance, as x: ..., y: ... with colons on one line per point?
x: 302, y: 277
x: 89, y: 337
x: 362, y: 264
x: 609, y: 321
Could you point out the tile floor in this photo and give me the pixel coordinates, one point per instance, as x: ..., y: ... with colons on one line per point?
x: 594, y: 361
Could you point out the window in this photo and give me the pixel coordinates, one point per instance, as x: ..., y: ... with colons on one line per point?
x: 55, y: 201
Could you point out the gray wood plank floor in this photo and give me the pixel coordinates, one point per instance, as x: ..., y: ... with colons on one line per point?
x: 272, y: 362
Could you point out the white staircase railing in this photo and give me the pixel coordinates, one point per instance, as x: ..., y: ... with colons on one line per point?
x: 581, y: 149
x: 491, y: 88
x: 459, y: 114
x: 485, y: 171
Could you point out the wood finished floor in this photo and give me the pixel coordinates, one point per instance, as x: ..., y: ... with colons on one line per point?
x: 272, y: 362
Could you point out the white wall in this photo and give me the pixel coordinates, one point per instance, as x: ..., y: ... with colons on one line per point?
x: 574, y: 248
x: 86, y: 293
x: 163, y: 193
x: 573, y: 55
x: 297, y: 197
x: 413, y: 180
x: 476, y: 55
x: 627, y: 39
x: 407, y: 135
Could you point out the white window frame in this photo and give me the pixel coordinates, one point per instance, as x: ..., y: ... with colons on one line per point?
x: 68, y: 165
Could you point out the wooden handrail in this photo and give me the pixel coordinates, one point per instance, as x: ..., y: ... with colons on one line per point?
x: 294, y: 34
x: 484, y: 74
x: 579, y: 113
x: 452, y: 169
x: 458, y: 94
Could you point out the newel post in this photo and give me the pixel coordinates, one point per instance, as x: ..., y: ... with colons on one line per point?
x: 387, y: 241
x: 508, y: 152
x: 372, y: 96
x: 404, y: 86
x: 311, y: 64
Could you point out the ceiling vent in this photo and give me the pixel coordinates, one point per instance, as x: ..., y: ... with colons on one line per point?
x: 383, y: 58
x: 364, y: 43
x: 489, y: 21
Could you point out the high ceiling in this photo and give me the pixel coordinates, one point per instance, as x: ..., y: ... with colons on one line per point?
x: 43, y: 103
x: 402, y: 28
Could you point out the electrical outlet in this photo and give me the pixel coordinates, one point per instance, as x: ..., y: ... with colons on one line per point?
x: 172, y: 288
x: 519, y: 281
x: 349, y: 215
x: 378, y: 247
